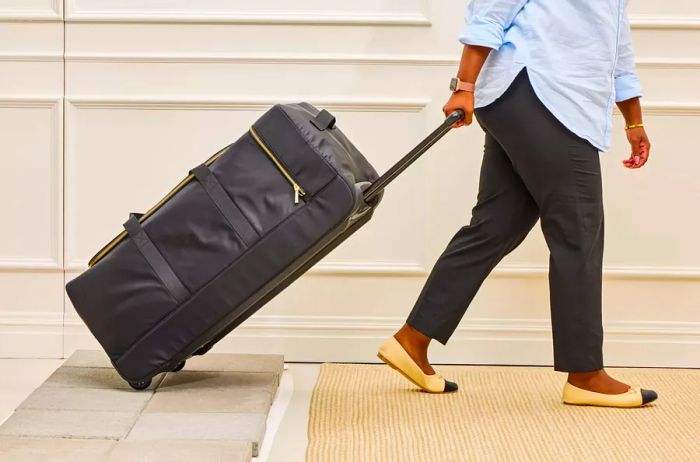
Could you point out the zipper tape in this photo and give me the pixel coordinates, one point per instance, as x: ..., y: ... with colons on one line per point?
x: 298, y: 190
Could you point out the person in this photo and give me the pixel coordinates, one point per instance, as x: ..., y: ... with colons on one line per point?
x: 540, y: 78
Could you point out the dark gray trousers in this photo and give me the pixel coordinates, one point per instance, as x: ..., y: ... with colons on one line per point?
x: 533, y: 167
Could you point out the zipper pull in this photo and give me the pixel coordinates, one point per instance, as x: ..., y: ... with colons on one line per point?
x: 297, y: 190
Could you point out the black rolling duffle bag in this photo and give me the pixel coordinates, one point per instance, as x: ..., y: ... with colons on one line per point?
x: 235, y: 232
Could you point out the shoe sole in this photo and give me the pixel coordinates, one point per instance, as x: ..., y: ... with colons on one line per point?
x: 389, y: 363
x: 605, y: 405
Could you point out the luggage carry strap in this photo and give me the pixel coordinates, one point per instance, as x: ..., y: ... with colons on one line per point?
x: 225, y: 204
x: 323, y: 120
x: 155, y: 258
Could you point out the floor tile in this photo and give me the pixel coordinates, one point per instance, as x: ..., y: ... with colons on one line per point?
x: 236, y: 363
x: 195, y: 380
x: 87, y: 377
x: 15, y: 449
x: 202, y: 400
x: 212, y: 426
x: 181, y: 451
x: 86, y: 399
x: 68, y: 424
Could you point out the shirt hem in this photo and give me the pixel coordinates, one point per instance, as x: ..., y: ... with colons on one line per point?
x: 601, y: 147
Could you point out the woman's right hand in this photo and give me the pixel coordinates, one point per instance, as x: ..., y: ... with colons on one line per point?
x: 463, y: 100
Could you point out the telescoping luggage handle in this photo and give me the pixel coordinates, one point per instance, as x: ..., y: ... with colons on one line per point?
x: 391, y: 174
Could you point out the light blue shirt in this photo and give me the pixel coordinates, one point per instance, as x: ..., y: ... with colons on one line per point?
x: 578, y: 54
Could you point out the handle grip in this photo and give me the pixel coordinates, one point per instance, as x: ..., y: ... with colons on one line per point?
x: 456, y: 116
x: 378, y: 186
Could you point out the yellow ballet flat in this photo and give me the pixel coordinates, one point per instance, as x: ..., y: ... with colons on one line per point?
x: 392, y: 353
x: 634, y: 397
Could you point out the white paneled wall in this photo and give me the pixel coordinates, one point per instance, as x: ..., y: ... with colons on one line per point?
x: 153, y: 87
x: 31, y: 192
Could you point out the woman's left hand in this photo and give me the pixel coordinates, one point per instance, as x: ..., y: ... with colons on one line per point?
x: 639, y: 141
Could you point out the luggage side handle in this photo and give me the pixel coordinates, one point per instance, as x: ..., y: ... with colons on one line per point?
x: 391, y: 174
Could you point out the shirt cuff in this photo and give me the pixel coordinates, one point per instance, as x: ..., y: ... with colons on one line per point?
x: 483, y: 33
x: 627, y: 86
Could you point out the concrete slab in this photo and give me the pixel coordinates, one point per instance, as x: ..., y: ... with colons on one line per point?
x: 181, y: 451
x: 236, y: 363
x: 89, y: 358
x: 213, y: 426
x: 68, y: 424
x: 85, y: 407
x: 98, y: 450
x: 88, y: 377
x: 53, y: 449
x: 202, y: 400
x: 196, y: 380
x: 86, y: 399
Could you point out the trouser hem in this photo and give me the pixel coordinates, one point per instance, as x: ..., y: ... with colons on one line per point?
x: 424, y: 328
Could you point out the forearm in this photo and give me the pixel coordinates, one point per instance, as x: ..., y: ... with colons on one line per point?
x: 473, y: 58
x: 631, y: 110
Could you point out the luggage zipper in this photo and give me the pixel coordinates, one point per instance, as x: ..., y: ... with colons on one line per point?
x: 298, y: 190
x: 107, y: 248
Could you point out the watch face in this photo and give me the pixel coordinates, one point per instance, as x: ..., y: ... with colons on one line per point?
x: 453, y: 84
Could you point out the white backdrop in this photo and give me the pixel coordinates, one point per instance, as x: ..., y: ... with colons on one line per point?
x: 97, y: 95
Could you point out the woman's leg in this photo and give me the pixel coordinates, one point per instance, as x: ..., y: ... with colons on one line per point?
x: 502, y: 217
x: 562, y: 172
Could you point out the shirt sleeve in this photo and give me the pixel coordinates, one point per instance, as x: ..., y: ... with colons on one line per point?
x: 487, y: 21
x: 627, y: 83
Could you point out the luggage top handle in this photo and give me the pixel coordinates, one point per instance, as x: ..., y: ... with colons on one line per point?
x: 391, y: 174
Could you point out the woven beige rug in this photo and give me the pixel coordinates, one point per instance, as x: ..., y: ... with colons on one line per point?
x: 368, y: 413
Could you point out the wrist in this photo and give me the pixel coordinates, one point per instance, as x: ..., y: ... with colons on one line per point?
x: 458, y: 85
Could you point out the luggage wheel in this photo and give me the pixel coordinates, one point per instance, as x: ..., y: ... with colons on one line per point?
x: 141, y: 385
x: 179, y: 367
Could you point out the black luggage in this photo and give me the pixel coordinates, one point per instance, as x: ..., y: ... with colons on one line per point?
x: 230, y: 236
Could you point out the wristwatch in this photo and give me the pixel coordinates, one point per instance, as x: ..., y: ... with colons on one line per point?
x: 458, y: 85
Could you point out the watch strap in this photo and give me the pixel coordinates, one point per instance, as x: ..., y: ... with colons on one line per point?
x: 465, y: 86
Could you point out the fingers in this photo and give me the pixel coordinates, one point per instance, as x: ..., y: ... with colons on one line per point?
x: 468, y: 115
x: 640, y: 152
x: 463, y: 101
x: 645, y: 149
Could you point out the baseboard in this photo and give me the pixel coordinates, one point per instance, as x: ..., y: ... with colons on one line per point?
x: 476, y: 341
x: 31, y: 335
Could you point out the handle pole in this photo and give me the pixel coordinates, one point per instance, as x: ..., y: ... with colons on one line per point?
x: 391, y: 174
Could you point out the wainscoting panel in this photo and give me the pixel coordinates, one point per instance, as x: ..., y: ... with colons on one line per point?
x: 152, y: 88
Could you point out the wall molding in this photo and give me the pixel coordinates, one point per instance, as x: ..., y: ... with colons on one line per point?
x: 279, y: 17
x: 670, y: 108
x: 52, y: 12
x: 31, y: 319
x: 29, y: 264
x: 665, y: 63
x: 361, y: 325
x: 300, y: 58
x: 31, y: 57
x: 313, y: 59
x: 410, y: 269
x: 287, y: 58
x: 348, y: 105
x: 664, y: 22
x: 55, y: 260
x: 246, y: 104
x: 26, y: 334
x: 475, y: 341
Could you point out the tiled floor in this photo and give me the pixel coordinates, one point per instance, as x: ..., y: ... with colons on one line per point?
x: 285, y: 439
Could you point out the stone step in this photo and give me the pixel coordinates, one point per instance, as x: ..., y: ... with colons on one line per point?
x: 15, y: 449
x: 217, y: 406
